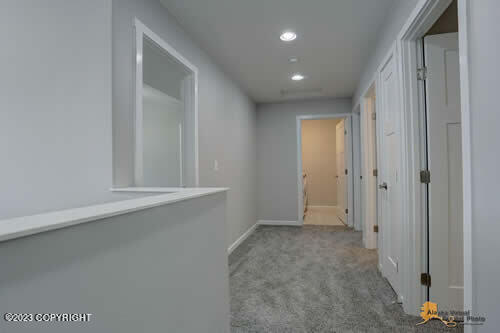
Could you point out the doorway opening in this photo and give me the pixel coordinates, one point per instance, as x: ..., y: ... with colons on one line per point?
x: 324, y: 170
x: 435, y: 157
x: 443, y: 150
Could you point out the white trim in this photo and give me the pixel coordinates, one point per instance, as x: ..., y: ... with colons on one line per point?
x: 356, y: 162
x: 463, y: 36
x: 241, y: 239
x: 147, y: 189
x: 181, y: 159
x: 30, y: 225
x: 280, y: 223
x: 141, y: 31
x: 323, y: 206
x: 368, y: 150
x: 324, y: 116
x: 300, y: 199
x: 412, y: 129
x: 138, y: 114
x: 350, y: 168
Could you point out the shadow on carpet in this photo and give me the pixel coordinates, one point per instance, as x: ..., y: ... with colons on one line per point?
x: 313, y: 279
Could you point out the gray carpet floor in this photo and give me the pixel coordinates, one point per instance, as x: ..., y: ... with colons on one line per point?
x: 313, y: 279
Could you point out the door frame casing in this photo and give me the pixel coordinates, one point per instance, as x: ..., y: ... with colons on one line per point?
x: 141, y: 31
x: 350, y: 180
x: 356, y: 167
x: 412, y: 99
x: 409, y: 48
x: 369, y: 184
x: 463, y: 42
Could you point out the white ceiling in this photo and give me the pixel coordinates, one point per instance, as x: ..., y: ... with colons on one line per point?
x: 334, y: 40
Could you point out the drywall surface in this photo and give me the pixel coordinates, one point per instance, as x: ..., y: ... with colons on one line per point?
x: 277, y: 154
x: 227, y: 117
x: 163, y: 118
x: 484, y: 52
x: 161, y: 71
x: 162, y: 269
x: 319, y: 160
x: 55, y: 105
x: 396, y: 18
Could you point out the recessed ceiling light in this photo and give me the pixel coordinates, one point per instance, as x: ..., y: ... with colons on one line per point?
x: 288, y: 36
x: 293, y: 60
x: 298, y: 77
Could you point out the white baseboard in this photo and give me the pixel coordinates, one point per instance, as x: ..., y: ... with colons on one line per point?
x: 280, y: 223
x: 241, y: 239
x: 321, y: 206
x: 247, y: 233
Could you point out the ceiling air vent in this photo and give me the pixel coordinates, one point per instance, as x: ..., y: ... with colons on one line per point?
x: 303, y: 93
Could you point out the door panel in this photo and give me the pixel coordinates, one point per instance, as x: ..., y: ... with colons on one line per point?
x: 390, y: 191
x: 341, y: 176
x: 445, y: 165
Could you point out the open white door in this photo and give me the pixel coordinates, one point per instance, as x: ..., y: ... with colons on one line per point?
x: 340, y: 143
x: 445, y: 165
x: 389, y: 176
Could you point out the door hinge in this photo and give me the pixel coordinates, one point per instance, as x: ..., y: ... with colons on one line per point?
x: 346, y: 171
x: 374, y: 116
x: 425, y: 279
x: 375, y: 228
x: 345, y: 132
x: 425, y: 176
x: 347, y: 211
x: 375, y: 173
x: 422, y: 74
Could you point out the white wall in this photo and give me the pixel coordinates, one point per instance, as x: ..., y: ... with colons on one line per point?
x: 161, y: 71
x: 162, y: 269
x: 161, y: 142
x: 55, y: 105
x: 227, y: 117
x: 484, y: 52
x: 396, y: 17
x: 57, y: 97
x: 277, y: 154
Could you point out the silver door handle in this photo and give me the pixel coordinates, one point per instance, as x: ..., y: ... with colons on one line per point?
x: 383, y: 186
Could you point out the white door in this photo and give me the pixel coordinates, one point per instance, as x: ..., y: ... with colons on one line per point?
x: 341, y: 167
x: 445, y: 165
x: 389, y: 176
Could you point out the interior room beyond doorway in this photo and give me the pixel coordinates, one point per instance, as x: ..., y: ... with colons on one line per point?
x: 323, y: 171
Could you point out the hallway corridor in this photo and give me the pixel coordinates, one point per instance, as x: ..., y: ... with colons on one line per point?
x: 313, y: 279
x: 323, y: 215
